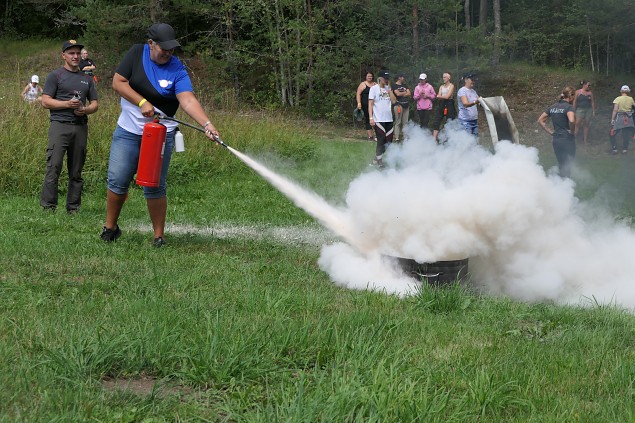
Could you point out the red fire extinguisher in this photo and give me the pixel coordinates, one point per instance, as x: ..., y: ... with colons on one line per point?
x: 151, y: 154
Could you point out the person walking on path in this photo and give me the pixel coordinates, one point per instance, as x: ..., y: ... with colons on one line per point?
x: 622, y: 119
x: 362, y: 101
x: 380, y: 101
x: 65, y: 94
x: 33, y: 90
x: 446, y: 108
x: 424, y: 95
x: 584, y: 106
x: 468, y: 100
x: 401, y: 108
x: 563, y: 120
x: 149, y: 79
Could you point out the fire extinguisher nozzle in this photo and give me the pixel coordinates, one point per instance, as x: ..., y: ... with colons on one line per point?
x: 218, y: 140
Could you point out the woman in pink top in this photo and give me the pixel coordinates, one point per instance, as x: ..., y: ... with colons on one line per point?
x: 424, y: 95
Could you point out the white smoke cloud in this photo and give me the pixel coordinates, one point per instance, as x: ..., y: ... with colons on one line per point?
x: 527, y: 236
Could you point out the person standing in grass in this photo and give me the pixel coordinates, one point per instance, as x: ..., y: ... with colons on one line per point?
x: 86, y: 65
x: 445, y: 108
x: 32, y: 92
x: 622, y: 118
x: 424, y: 95
x: 380, y: 101
x: 563, y: 120
x: 150, y: 79
x: 468, y: 100
x: 362, y: 101
x: 65, y: 94
x: 401, y: 108
x: 584, y: 106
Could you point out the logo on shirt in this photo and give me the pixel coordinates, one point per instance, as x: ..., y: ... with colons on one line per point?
x: 164, y: 83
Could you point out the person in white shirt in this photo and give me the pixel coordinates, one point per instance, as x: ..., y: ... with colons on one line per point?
x: 380, y: 101
x: 32, y: 92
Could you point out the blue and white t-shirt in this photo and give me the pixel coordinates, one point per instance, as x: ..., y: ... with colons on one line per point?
x: 159, y: 84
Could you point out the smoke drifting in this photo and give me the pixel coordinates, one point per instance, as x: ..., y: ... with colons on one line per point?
x: 526, y: 234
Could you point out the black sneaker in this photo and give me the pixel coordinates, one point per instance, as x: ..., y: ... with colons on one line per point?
x: 72, y: 211
x: 158, y: 242
x: 49, y: 209
x: 110, y: 235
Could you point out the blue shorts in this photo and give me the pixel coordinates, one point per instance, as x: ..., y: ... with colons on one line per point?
x: 124, y: 159
x: 471, y: 126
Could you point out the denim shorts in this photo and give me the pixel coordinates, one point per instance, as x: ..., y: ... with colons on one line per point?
x: 471, y: 126
x: 124, y: 159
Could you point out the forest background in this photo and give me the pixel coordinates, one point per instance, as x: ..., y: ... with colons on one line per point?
x: 308, y: 55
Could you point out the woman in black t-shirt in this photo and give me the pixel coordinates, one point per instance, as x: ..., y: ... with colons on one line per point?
x: 563, y: 120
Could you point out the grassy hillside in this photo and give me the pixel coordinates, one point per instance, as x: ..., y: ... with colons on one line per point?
x: 234, y: 320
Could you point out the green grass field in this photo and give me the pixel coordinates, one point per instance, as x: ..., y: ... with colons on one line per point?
x: 234, y: 321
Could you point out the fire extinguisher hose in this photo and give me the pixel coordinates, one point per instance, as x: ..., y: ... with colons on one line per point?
x: 217, y: 139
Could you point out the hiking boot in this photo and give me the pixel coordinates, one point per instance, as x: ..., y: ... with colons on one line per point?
x: 158, y: 242
x: 110, y: 235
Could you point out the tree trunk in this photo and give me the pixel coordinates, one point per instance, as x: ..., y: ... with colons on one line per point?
x: 281, y: 64
x: 497, y: 31
x: 415, y: 31
x: 608, y: 44
x: 482, y: 17
x: 588, y: 28
x: 311, y: 51
x: 466, y: 9
x: 156, y: 11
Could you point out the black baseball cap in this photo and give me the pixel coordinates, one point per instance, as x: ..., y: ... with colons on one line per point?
x: 384, y: 74
x: 71, y: 43
x: 164, y: 35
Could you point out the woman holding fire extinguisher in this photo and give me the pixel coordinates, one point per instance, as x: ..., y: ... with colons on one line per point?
x: 150, y: 80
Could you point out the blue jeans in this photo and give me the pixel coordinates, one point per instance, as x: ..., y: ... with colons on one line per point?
x: 471, y: 126
x: 124, y: 159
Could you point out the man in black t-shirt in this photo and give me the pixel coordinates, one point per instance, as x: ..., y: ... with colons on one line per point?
x: 401, y: 107
x: 86, y: 65
x: 65, y: 94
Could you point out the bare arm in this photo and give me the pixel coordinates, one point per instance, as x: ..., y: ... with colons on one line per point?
x: 593, y: 103
x: 53, y: 104
x: 542, y: 121
x: 614, y: 113
x: 122, y: 87
x: 571, y: 116
x: 575, y: 100
x: 393, y: 99
x: 371, y: 104
x: 450, y: 92
x: 25, y: 90
x: 193, y: 108
x: 360, y: 88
